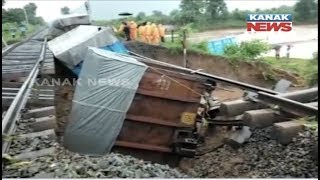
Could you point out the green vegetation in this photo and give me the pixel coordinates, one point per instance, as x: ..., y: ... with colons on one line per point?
x: 18, y: 35
x: 17, y: 15
x: 65, y: 10
x: 246, y: 50
x: 20, y: 22
x: 310, y: 123
x: 177, y: 46
x: 173, y: 47
x: 306, y: 68
x: 203, y: 15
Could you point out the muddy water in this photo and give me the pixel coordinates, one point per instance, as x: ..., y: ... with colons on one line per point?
x: 307, y: 33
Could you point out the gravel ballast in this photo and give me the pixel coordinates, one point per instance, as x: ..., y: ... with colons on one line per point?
x: 261, y: 157
x: 66, y: 164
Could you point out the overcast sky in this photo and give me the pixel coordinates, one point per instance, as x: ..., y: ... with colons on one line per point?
x: 108, y: 9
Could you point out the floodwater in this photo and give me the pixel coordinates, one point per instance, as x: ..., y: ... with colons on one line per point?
x: 303, y: 39
x: 303, y: 50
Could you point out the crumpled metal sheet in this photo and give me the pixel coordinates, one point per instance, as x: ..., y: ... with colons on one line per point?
x: 71, y: 47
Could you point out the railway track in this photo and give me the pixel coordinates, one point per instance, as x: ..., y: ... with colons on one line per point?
x: 28, y: 113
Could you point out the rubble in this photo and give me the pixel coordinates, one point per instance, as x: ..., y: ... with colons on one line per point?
x: 239, y: 137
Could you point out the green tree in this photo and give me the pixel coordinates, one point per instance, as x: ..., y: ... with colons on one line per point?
x: 191, y: 10
x: 13, y: 15
x: 65, y: 10
x: 239, y: 15
x: 216, y: 9
x: 39, y: 20
x: 175, y: 17
x: 285, y: 10
x: 141, y: 16
x: 3, y: 2
x: 157, y: 13
x: 31, y: 9
x: 306, y: 10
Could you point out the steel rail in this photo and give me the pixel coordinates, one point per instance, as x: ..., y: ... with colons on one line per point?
x: 9, y: 48
x: 238, y: 84
x: 19, y: 102
x: 288, y: 104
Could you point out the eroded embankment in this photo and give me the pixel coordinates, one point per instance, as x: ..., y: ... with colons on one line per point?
x: 253, y: 73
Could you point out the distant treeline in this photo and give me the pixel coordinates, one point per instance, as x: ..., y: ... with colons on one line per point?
x: 213, y: 14
x: 18, y: 15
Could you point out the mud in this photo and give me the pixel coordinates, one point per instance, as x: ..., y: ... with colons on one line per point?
x: 63, y: 97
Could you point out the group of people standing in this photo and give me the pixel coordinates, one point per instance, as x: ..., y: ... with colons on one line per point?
x: 145, y: 32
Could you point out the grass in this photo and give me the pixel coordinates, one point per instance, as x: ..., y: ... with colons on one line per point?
x: 305, y: 68
x: 173, y: 47
x: 176, y: 47
x: 10, y: 40
x: 310, y: 123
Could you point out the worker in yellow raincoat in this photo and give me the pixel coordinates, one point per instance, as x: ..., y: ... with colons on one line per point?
x: 148, y: 30
x: 142, y: 31
x: 162, y: 32
x: 133, y: 30
x: 155, y: 35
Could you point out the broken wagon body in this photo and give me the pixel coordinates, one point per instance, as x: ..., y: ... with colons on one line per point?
x: 160, y: 117
x: 154, y: 109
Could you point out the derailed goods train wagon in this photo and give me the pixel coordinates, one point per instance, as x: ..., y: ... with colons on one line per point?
x: 120, y: 103
x: 67, y: 23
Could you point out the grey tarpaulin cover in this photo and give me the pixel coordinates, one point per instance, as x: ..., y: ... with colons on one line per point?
x: 98, y: 110
x: 71, y: 47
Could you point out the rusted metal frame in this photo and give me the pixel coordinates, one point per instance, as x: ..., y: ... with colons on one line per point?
x: 226, y: 122
x: 288, y: 104
x: 173, y: 74
x: 19, y: 102
x: 150, y: 120
x: 170, y: 67
x: 165, y: 96
x: 238, y: 84
x: 143, y: 146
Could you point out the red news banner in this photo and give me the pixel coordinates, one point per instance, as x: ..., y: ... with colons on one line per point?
x: 269, y: 22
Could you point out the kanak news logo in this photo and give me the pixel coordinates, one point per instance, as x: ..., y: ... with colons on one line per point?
x: 269, y: 22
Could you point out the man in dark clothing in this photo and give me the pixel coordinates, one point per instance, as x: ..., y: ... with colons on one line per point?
x: 288, y: 51
x: 126, y: 30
